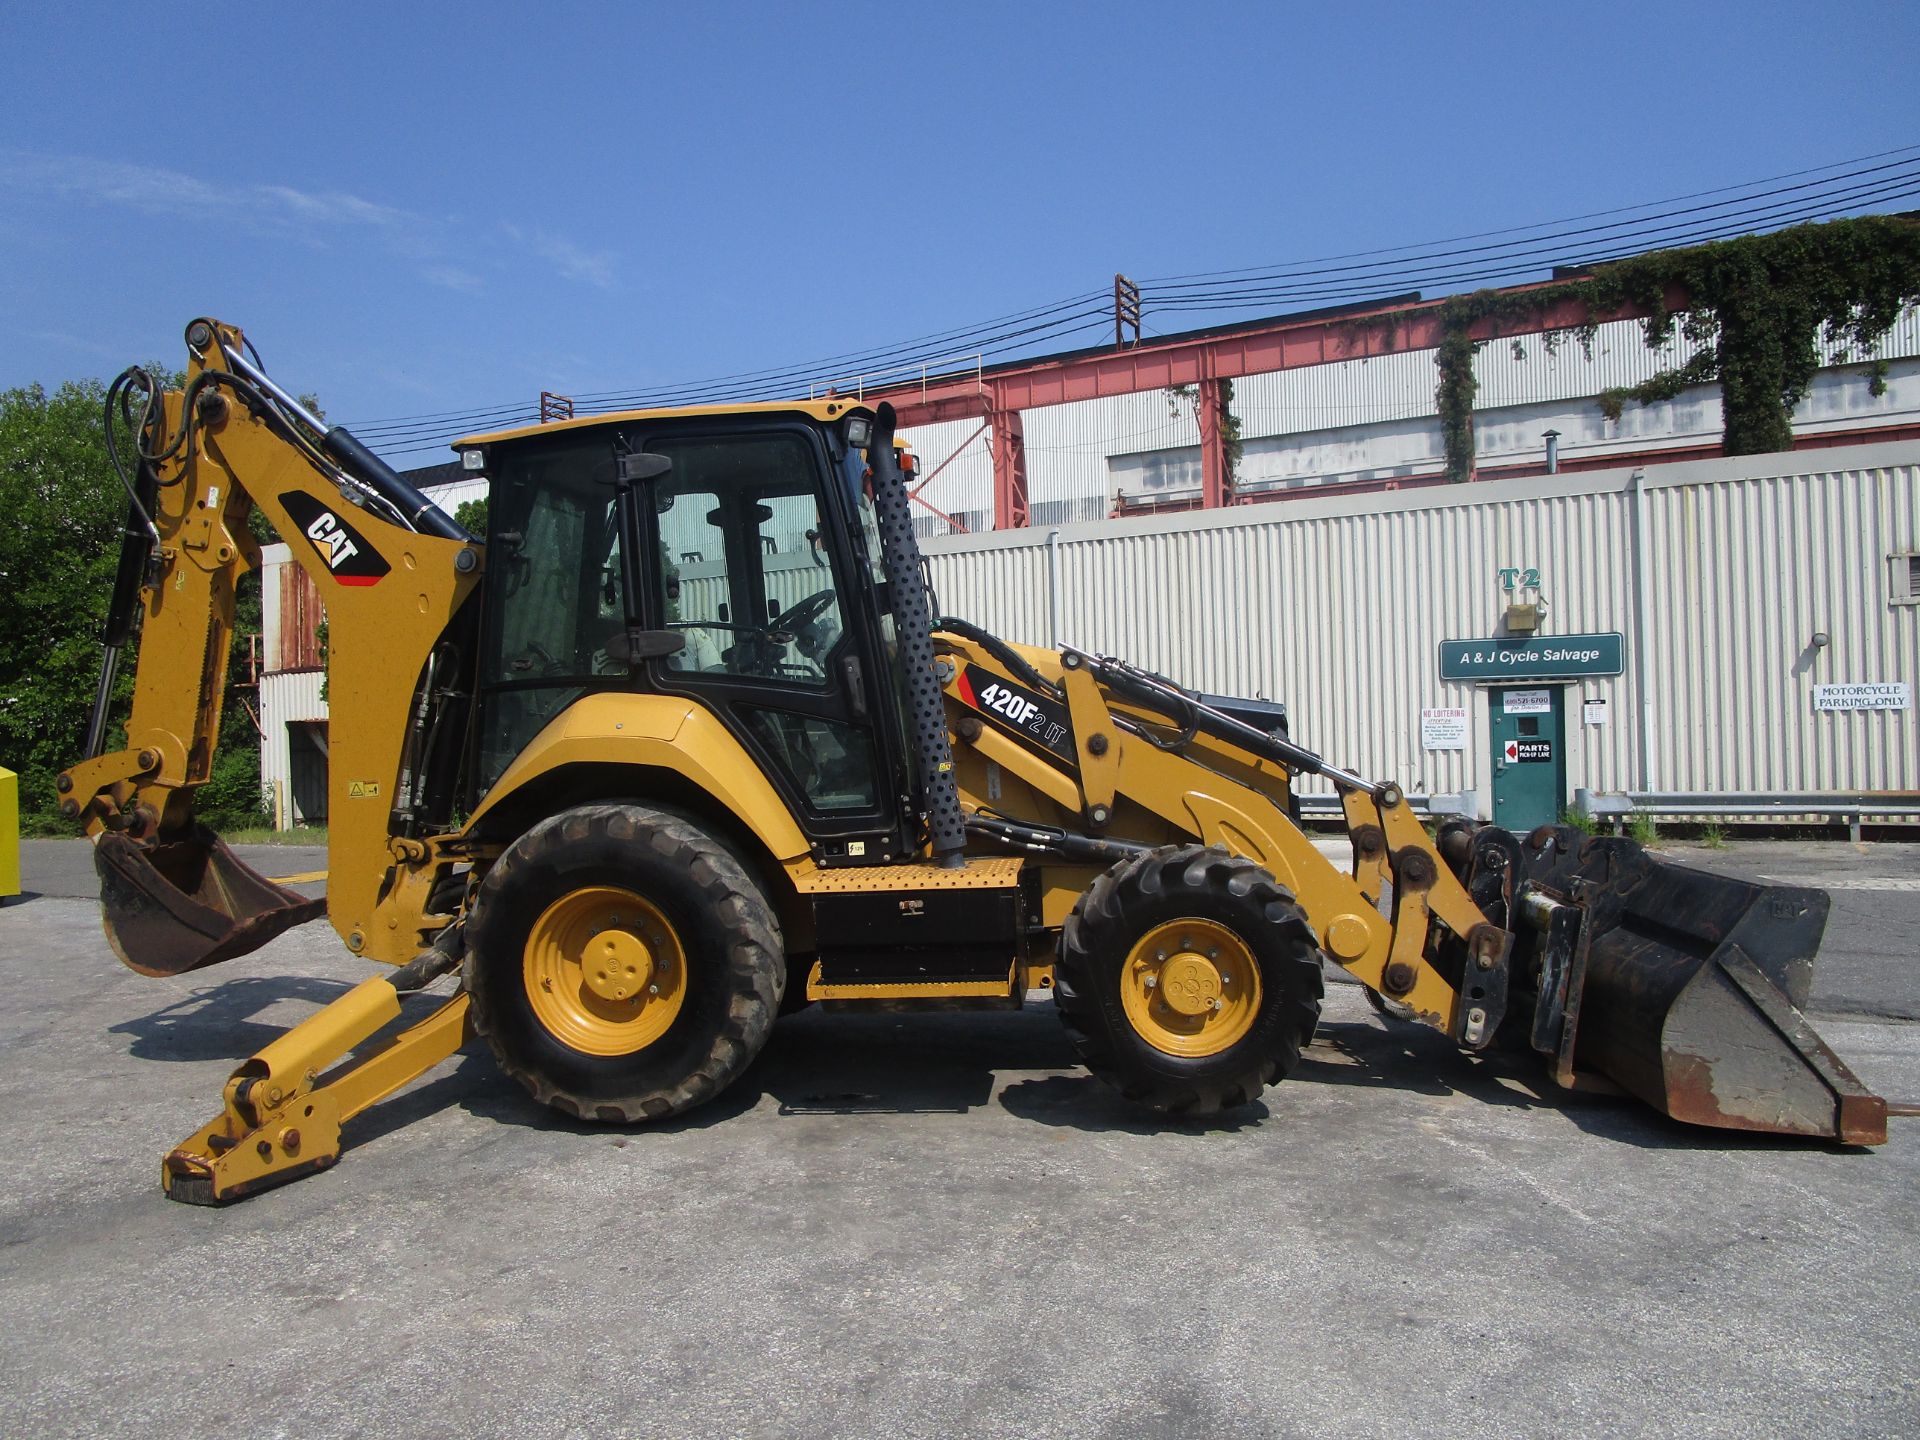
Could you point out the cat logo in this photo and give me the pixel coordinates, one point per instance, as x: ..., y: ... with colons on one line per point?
x: 329, y: 534
x: 350, y: 556
x: 363, y: 789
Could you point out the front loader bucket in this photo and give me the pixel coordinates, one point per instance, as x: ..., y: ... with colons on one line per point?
x: 180, y: 904
x: 1686, y: 989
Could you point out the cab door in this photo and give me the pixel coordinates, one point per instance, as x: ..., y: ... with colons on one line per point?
x: 752, y: 565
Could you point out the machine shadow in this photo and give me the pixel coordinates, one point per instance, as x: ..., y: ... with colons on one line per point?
x: 1405, y: 1056
x: 217, y: 1022
x: 922, y: 1064
x: 814, y: 1064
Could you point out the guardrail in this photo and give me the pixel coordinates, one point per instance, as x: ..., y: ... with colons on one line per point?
x: 1327, y: 807
x: 1834, y: 807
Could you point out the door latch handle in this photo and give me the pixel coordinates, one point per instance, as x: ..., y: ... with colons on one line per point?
x: 856, y: 686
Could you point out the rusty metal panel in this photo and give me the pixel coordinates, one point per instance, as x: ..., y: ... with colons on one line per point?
x: 297, y: 617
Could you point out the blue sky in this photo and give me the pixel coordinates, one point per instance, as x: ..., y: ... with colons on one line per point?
x: 435, y: 208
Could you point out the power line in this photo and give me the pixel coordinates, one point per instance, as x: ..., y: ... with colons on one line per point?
x: 1358, y: 275
x: 1545, y: 224
x: 1611, y: 248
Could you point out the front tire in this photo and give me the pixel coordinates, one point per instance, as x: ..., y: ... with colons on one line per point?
x: 1189, y: 979
x: 623, y: 966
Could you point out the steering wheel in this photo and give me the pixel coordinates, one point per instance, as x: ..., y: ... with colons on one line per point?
x: 805, y: 612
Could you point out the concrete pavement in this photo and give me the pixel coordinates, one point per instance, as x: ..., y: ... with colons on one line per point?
x: 938, y: 1226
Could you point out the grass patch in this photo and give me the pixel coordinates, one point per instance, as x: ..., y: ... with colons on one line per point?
x: 261, y: 835
x: 1585, y: 824
x: 1642, y: 831
x: 1713, y: 837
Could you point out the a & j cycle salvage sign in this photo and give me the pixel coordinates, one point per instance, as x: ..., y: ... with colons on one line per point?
x: 1533, y: 657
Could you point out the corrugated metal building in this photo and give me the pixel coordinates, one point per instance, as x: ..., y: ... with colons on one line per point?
x: 1717, y: 573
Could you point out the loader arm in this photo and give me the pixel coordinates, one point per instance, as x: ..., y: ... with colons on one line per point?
x: 1109, y: 775
x: 391, y: 575
x: 1676, y: 986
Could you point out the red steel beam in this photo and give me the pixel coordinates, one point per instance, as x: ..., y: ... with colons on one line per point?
x: 1202, y: 361
x: 1010, y: 508
x: 1283, y: 345
x: 1216, y: 480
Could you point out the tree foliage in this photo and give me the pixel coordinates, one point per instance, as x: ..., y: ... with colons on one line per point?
x: 61, y: 512
x: 471, y: 516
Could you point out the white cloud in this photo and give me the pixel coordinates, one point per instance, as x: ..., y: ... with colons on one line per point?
x: 570, y: 261
x: 156, y: 190
x: 318, y: 217
x: 450, y: 277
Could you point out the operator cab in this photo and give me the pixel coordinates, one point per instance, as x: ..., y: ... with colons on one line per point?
x: 742, y: 572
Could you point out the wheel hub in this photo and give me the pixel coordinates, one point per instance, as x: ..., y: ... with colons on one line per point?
x: 1191, y: 987
x: 1189, y: 983
x: 617, y: 966
x: 604, y: 970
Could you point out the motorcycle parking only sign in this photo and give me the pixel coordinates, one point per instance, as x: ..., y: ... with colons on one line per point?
x: 1862, y: 697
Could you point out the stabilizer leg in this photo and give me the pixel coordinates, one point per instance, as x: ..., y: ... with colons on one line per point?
x: 281, y: 1121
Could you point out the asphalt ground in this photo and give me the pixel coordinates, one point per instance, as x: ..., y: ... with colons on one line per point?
x: 939, y: 1225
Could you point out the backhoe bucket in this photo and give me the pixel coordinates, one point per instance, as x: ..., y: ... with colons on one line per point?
x: 1686, y: 989
x: 180, y: 904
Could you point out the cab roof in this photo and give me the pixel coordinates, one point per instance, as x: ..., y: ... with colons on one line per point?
x: 825, y: 409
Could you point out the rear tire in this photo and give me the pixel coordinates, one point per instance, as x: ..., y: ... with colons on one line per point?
x: 1235, y: 985
x: 623, y: 966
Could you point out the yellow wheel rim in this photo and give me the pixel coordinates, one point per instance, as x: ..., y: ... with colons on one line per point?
x: 605, y: 971
x: 1191, y: 988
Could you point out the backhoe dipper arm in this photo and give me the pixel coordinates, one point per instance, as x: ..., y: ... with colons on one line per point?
x: 392, y: 571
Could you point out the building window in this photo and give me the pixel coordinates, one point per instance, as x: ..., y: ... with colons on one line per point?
x: 1903, y: 569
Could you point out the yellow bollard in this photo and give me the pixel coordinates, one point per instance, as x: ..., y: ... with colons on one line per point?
x: 9, y: 833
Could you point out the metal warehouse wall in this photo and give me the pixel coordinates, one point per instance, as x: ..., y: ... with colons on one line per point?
x: 1338, y: 606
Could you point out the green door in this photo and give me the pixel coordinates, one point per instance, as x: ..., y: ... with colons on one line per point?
x: 1529, y: 729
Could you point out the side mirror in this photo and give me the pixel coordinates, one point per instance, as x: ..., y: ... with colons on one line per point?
x: 638, y: 468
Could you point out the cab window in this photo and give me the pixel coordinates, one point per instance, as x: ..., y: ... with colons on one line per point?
x: 744, y: 566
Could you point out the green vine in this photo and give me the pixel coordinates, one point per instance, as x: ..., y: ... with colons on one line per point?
x: 1231, y: 442
x: 1765, y: 311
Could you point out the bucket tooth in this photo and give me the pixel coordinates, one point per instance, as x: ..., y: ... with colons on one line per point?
x: 180, y: 904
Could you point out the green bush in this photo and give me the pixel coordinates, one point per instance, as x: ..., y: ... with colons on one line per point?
x: 59, y: 546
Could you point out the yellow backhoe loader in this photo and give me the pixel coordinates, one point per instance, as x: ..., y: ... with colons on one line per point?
x: 680, y: 743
